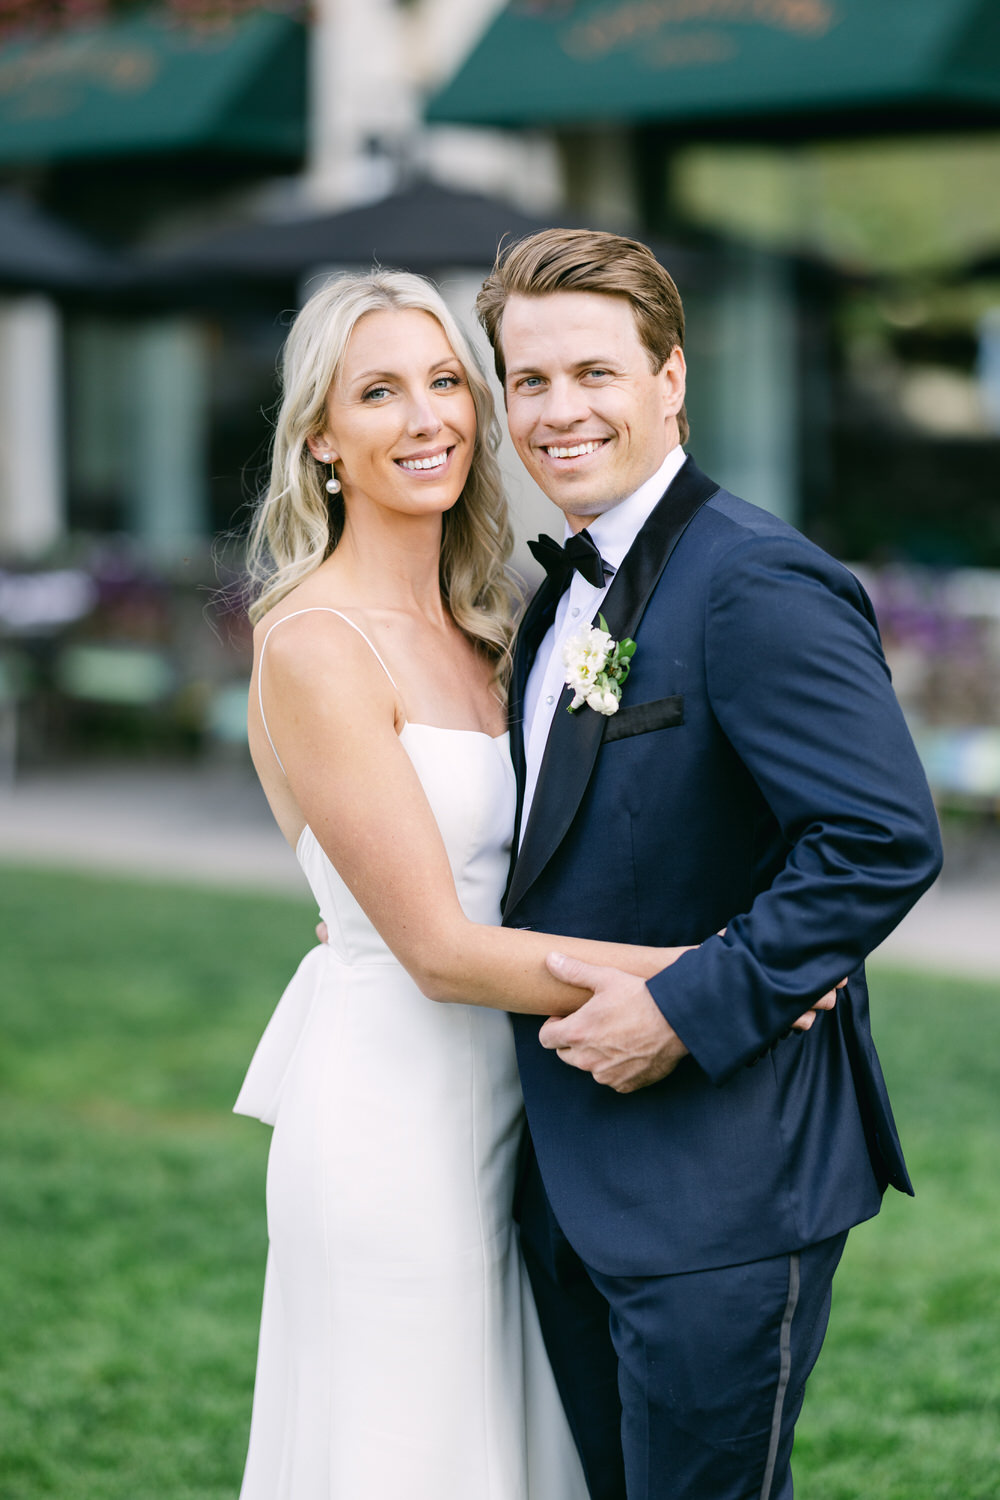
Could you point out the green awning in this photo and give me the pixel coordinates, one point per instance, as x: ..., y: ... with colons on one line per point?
x: 733, y: 66
x: 146, y: 86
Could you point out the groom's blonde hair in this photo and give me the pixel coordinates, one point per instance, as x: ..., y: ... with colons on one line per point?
x: 587, y: 260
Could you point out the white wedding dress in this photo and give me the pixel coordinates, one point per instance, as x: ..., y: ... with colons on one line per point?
x: 400, y: 1356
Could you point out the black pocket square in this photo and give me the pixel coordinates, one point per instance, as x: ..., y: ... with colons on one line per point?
x: 641, y: 718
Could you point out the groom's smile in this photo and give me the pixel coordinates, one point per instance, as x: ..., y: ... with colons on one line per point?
x: 590, y: 418
x: 575, y: 450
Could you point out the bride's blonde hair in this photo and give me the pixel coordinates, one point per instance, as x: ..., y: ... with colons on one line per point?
x: 298, y: 525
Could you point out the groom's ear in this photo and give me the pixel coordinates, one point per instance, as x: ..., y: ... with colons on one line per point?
x: 675, y: 378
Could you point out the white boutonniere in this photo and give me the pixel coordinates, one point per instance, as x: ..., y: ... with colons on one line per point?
x: 596, y: 667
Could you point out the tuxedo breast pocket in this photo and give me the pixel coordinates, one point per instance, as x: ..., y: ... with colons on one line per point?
x: 642, y: 718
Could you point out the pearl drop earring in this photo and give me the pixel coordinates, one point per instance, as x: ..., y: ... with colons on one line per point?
x: 333, y: 483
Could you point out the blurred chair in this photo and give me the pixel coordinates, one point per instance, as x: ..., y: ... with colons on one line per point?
x: 962, y: 764
x: 130, y: 676
x: 125, y: 694
x: 11, y: 690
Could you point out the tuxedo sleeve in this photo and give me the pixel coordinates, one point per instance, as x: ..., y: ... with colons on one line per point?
x: 798, y: 683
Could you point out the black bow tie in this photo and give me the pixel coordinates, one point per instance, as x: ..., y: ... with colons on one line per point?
x: 580, y: 552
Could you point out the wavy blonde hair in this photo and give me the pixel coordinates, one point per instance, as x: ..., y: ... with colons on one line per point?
x: 297, y: 524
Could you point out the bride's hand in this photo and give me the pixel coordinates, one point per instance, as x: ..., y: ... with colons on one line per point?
x: 806, y: 1021
x: 825, y: 1002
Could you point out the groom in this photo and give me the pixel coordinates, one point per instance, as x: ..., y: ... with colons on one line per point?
x: 697, y: 1167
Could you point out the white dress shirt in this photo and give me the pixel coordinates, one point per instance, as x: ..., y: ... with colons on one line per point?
x: 613, y: 534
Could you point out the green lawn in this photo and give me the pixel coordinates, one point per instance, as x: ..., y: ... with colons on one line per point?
x: 131, y: 1212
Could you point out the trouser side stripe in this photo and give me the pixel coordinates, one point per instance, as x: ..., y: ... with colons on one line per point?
x: 784, y: 1374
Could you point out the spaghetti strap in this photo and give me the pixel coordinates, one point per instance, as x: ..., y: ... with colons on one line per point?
x: 323, y: 609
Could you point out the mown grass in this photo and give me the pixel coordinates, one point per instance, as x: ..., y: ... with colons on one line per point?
x: 131, y: 1200
x: 131, y: 1211
x: 905, y: 1402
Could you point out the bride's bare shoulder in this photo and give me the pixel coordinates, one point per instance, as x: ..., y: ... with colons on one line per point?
x: 320, y: 646
x: 306, y: 618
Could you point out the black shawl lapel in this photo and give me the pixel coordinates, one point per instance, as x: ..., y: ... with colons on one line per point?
x: 575, y: 739
x: 530, y: 633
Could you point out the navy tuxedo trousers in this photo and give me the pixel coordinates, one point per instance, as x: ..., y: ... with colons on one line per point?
x: 708, y: 1367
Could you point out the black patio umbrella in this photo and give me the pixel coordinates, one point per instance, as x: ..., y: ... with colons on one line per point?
x: 423, y: 227
x: 38, y: 253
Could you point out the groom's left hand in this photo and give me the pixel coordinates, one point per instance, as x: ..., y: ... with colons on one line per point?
x: 620, y: 1036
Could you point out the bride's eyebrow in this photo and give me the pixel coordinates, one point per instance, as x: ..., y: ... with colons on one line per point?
x: 366, y: 376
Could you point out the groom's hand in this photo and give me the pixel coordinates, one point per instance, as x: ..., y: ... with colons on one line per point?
x: 620, y: 1036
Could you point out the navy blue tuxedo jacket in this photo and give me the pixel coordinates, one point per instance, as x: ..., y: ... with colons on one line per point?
x: 758, y: 776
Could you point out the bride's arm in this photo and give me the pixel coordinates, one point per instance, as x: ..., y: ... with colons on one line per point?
x: 332, y: 715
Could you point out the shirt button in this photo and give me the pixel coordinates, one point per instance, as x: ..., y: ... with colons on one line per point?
x: 550, y: 698
x: 575, y: 611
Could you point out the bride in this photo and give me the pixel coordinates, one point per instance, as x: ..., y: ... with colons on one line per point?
x: 399, y: 1350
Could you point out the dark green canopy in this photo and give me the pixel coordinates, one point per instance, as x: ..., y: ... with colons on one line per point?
x: 143, y: 86
x: 734, y: 67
